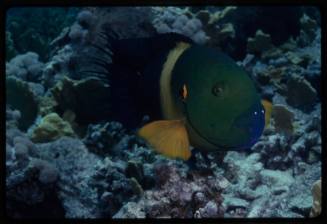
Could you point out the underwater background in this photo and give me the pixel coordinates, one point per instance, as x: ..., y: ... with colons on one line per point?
x: 66, y: 159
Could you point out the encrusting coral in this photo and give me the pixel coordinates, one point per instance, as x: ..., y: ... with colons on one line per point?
x: 26, y: 67
x: 50, y: 128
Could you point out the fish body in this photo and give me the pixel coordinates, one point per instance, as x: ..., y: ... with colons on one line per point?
x: 194, y: 95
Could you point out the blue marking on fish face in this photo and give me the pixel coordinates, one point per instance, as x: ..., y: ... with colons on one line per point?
x: 252, y: 122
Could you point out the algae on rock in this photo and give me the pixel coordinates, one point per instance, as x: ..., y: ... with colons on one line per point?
x: 51, y: 128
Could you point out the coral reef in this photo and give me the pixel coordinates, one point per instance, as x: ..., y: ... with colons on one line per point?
x: 31, y: 182
x: 183, y: 195
x: 66, y: 157
x: 251, y: 185
x: 280, y: 151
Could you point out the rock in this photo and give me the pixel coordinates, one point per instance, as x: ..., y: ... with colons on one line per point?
x: 131, y: 210
x: 308, y: 25
x: 283, y: 119
x: 313, y: 157
x: 180, y: 21
x: 294, y: 58
x: 316, y: 193
x: 260, y: 43
x: 12, y: 116
x: 300, y: 93
x: 232, y: 203
x: 86, y: 18
x: 175, y: 193
x: 200, y: 199
x: 101, y: 138
x: 273, y: 53
x: 243, y: 173
x: 76, y: 169
x: 276, y: 178
x: 203, y: 15
x: 226, y: 30
x: 48, y: 173
x: 31, y: 182
x: 61, y: 39
x: 289, y: 45
x: 10, y: 48
x: 255, y: 211
x: 51, y: 128
x: 149, y: 179
x: 301, y: 204
x: 47, y: 105
x: 261, y: 191
x: 314, y: 124
x: 270, y: 75
x: 88, y: 99
x: 210, y: 210
x: 280, y: 190
x: 19, y: 96
x: 137, y: 188
x: 135, y: 169
x: 280, y: 61
x: 61, y: 64
x: 247, y: 60
x: 218, y: 15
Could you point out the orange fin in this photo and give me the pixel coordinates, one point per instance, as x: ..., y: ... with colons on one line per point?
x: 268, y: 109
x: 168, y: 137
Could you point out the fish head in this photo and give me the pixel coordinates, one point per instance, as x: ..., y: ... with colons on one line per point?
x: 218, y: 99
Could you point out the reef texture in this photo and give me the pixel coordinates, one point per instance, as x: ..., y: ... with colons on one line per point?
x: 65, y: 157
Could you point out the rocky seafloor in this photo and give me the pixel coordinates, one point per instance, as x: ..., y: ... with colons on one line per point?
x: 66, y: 158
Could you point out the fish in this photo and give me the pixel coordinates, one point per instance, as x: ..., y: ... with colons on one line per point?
x: 194, y: 95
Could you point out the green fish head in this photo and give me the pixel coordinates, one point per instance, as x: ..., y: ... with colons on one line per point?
x: 222, y: 104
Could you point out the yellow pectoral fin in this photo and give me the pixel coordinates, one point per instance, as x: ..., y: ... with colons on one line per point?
x: 268, y: 109
x: 168, y: 137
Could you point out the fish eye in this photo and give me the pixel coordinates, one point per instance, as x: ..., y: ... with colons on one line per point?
x: 217, y: 89
x: 183, y: 92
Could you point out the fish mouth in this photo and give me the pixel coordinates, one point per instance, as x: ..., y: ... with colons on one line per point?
x: 222, y: 147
